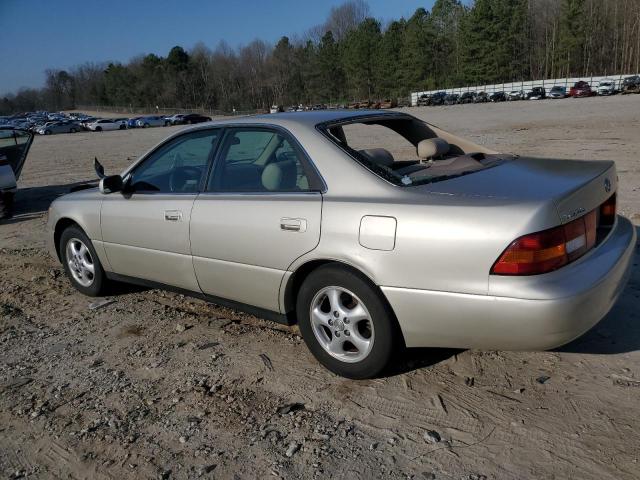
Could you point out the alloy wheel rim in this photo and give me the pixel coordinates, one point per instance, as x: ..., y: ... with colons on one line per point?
x: 342, y: 324
x: 80, y: 262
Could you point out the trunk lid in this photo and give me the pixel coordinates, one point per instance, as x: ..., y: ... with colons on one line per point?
x: 575, y: 186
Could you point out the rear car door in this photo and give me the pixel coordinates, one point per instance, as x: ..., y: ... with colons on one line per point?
x: 145, y: 229
x: 261, y: 210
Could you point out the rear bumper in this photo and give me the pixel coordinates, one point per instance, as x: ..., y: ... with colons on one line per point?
x: 547, y: 311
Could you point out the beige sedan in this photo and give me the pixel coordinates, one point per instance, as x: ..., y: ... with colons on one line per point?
x: 372, y: 230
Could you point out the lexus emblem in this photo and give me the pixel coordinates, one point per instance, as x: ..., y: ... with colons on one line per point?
x: 607, y: 185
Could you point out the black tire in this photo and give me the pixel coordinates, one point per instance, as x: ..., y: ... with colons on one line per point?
x: 100, y: 283
x: 47, y: 132
x: 98, y: 129
x: 123, y: 127
x: 6, y: 205
x: 73, y: 130
x: 166, y: 124
x: 146, y: 125
x: 386, y: 340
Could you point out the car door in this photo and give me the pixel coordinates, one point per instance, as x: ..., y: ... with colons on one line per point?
x: 261, y: 210
x: 145, y: 228
x: 14, y: 146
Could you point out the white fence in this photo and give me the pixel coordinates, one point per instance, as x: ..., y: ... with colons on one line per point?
x: 526, y: 86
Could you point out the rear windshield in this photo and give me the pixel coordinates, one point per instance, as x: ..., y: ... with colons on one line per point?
x: 389, y: 148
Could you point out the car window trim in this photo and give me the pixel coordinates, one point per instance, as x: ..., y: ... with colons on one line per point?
x: 201, y: 183
x: 316, y: 182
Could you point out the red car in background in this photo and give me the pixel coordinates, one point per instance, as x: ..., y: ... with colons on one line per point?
x: 581, y: 89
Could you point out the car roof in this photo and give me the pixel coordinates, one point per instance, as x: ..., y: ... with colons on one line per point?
x: 308, y: 118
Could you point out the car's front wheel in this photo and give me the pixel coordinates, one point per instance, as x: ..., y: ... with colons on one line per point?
x: 81, y: 262
x: 346, y: 323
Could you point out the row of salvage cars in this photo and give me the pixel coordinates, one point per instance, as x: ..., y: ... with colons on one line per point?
x: 290, y: 217
x: 580, y: 89
x: 45, y: 123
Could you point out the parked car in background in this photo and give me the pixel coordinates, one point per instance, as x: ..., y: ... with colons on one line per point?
x: 151, y: 121
x: 481, y: 97
x: 537, y: 93
x: 467, y: 97
x: 193, y: 118
x: 104, y: 124
x: 631, y: 85
x: 515, y: 95
x: 276, y: 109
x: 132, y: 122
x: 336, y: 243
x: 171, y: 119
x: 438, y: 98
x: 581, y: 89
x: 423, y: 100
x: 498, y: 97
x: 388, y: 103
x: 14, y: 146
x: 606, y: 87
x: 558, y: 91
x: 85, y: 122
x: 64, y: 126
x: 452, y: 99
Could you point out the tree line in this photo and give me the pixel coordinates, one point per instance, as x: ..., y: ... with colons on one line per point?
x: 353, y: 56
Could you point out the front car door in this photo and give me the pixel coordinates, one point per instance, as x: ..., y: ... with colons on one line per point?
x: 260, y: 211
x: 145, y: 229
x: 14, y: 146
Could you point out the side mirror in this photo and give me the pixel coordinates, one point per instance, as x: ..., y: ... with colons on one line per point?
x: 111, y: 184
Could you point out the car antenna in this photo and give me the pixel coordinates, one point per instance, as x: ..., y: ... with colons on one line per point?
x: 98, y: 168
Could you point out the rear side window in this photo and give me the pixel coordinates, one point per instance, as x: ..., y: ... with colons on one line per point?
x: 259, y: 160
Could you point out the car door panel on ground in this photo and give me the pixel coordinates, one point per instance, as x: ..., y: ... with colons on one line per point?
x: 261, y: 210
x: 146, y: 229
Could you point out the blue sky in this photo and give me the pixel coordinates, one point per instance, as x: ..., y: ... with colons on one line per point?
x: 41, y: 34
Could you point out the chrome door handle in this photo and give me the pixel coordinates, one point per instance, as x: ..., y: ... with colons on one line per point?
x: 173, y: 215
x: 293, y: 224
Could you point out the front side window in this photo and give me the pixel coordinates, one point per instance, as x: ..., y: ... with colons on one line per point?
x: 259, y: 160
x: 176, y: 167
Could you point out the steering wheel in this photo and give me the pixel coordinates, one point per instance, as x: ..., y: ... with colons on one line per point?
x: 180, y: 175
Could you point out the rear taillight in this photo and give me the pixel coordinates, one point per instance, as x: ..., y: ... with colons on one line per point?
x: 608, y: 212
x: 548, y: 250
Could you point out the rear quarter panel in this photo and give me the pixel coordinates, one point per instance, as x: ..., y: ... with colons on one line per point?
x: 443, y: 243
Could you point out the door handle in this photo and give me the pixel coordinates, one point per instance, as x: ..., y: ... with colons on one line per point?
x: 172, y: 215
x: 293, y: 224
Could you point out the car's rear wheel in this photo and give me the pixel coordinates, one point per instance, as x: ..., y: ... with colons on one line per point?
x: 98, y: 129
x: 346, y: 323
x: 122, y: 127
x: 81, y: 262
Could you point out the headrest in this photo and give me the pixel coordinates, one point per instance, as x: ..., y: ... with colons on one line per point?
x: 379, y: 156
x: 280, y: 176
x: 432, y: 147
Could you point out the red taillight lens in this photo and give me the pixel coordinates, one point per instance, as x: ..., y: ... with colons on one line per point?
x: 608, y: 211
x: 549, y: 250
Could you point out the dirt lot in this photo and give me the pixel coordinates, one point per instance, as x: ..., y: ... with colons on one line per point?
x: 157, y: 385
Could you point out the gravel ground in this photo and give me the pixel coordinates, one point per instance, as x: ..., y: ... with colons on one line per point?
x: 149, y: 384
